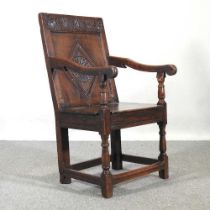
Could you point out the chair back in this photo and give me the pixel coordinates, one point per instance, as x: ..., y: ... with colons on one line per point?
x: 81, y: 40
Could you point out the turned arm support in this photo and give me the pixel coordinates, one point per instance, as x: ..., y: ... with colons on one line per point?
x: 125, y: 62
x: 59, y: 63
x: 160, y: 70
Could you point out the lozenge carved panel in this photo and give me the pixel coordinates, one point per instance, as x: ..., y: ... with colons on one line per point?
x: 82, y: 82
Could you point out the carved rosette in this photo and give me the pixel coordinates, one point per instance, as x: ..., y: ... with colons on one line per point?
x: 61, y: 23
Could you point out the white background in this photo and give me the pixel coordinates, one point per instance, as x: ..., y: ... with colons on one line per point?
x: 149, y: 31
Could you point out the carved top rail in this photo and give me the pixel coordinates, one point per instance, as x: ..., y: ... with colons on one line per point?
x: 68, y: 23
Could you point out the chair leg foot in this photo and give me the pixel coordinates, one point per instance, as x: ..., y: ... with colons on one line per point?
x: 107, y: 187
x: 164, y: 173
x: 63, y: 152
x: 117, y: 167
x: 64, y: 179
x: 106, y: 176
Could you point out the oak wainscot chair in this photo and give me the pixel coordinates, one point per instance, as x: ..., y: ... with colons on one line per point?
x: 81, y: 75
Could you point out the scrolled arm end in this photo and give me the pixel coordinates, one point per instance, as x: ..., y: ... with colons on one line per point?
x: 169, y: 69
x: 114, y: 71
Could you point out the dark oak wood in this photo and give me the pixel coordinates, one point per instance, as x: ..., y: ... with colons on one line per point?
x: 114, y: 108
x: 79, y: 121
x: 63, y: 152
x: 65, y: 65
x: 86, y: 164
x: 136, y: 117
x: 70, y: 173
x: 81, y: 76
x: 125, y: 62
x: 162, y: 125
x: 116, y: 150
x: 137, y: 172
x: 106, y: 176
x: 138, y: 159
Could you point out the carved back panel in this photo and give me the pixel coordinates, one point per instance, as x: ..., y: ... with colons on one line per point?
x: 82, y: 40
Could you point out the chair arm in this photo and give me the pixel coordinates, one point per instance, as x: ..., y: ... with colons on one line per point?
x: 124, y: 62
x: 59, y: 63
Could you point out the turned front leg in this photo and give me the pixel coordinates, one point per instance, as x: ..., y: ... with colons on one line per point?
x: 163, y: 173
x: 106, y: 176
x: 163, y: 156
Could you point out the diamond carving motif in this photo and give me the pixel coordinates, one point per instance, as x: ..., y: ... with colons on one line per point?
x: 82, y: 82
